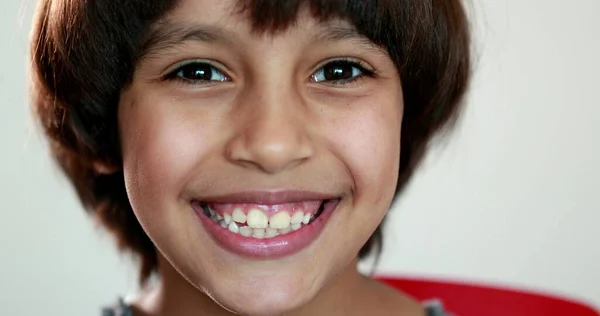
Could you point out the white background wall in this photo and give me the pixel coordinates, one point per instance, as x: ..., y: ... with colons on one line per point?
x: 509, y: 199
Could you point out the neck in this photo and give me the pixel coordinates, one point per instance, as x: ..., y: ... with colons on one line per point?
x: 174, y: 295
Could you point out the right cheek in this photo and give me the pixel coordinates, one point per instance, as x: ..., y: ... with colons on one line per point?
x: 151, y: 175
x: 156, y: 162
x: 161, y: 152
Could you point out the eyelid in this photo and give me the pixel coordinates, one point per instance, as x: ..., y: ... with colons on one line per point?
x: 350, y: 60
x: 219, y: 66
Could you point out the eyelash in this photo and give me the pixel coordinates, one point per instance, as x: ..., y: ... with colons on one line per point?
x: 361, y: 67
x: 175, y: 74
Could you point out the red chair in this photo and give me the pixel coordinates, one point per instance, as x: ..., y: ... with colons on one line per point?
x: 463, y: 299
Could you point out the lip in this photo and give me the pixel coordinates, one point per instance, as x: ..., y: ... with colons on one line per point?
x: 269, y: 197
x: 269, y: 248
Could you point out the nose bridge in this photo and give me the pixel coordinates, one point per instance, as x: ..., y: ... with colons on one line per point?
x: 272, y: 134
x: 277, y: 114
x: 274, y: 120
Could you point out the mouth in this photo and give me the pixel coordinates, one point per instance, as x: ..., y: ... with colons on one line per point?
x: 254, y: 221
x: 259, y: 229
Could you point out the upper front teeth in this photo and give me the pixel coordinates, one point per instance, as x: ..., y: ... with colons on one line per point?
x: 279, y: 220
x: 259, y: 224
x: 257, y: 219
x: 238, y: 216
x: 297, y: 218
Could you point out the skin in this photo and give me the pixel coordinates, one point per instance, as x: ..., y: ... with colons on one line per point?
x: 269, y: 125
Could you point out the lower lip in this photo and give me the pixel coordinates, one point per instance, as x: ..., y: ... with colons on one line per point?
x: 268, y: 248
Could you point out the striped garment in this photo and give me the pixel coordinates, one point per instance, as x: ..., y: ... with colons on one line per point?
x: 433, y: 308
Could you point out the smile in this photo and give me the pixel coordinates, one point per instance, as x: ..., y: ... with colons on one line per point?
x: 253, y: 220
x: 265, y: 226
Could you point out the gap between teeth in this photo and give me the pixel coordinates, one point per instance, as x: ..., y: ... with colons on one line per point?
x: 258, y: 224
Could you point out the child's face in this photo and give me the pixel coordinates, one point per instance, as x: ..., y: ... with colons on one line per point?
x: 227, y: 111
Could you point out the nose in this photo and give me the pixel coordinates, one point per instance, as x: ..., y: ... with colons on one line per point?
x: 272, y: 134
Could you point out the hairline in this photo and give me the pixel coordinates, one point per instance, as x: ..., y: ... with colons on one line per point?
x: 167, y: 35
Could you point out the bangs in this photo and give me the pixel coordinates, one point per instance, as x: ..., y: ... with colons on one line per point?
x: 276, y: 15
x: 384, y: 22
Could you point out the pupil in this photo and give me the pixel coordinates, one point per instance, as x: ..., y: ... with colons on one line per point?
x: 197, y: 72
x: 338, y: 71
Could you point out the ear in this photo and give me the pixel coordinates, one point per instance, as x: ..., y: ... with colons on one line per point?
x: 104, y: 168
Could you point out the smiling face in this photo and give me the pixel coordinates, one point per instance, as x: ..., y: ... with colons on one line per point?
x: 221, y: 120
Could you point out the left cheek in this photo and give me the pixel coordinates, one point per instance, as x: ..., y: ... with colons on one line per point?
x: 372, y: 151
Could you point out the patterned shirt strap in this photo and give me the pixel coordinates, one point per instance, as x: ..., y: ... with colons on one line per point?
x: 435, y: 308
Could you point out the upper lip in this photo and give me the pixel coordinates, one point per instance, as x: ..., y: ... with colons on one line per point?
x: 268, y: 197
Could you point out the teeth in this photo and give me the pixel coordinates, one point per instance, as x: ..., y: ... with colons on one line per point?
x: 238, y: 216
x: 211, y: 212
x: 245, y: 231
x: 297, y: 218
x: 233, y: 227
x: 227, y: 218
x: 258, y: 225
x: 306, y: 218
x: 257, y: 219
x: 258, y: 232
x: 271, y: 232
x: 280, y: 220
x: 296, y: 226
x: 284, y: 231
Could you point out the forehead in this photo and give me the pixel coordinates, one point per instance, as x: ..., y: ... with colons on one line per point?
x: 207, y: 11
x: 233, y: 22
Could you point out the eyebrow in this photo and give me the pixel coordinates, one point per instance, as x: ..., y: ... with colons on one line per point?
x: 340, y: 33
x: 168, y: 35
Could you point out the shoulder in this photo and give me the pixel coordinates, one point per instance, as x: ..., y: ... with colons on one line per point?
x: 431, y: 309
x: 395, y: 302
x: 119, y: 309
x: 388, y: 301
x: 381, y: 299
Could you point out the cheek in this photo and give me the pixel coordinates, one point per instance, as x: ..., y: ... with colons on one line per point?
x: 369, y: 142
x: 160, y: 148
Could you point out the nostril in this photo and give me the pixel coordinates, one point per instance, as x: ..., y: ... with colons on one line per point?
x: 270, y: 143
x: 270, y: 157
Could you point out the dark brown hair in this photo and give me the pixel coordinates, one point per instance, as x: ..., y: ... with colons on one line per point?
x: 84, y: 54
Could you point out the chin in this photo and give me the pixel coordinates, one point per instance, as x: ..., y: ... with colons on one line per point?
x: 268, y: 297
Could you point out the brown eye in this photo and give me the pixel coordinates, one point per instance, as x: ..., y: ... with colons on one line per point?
x: 198, y: 72
x: 340, y: 72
